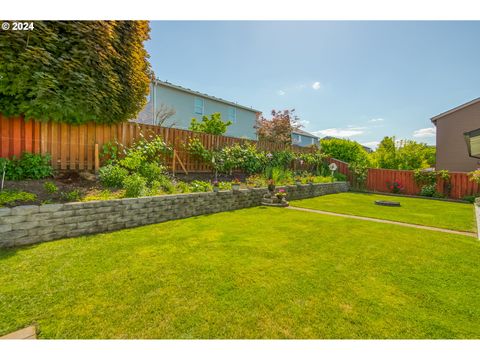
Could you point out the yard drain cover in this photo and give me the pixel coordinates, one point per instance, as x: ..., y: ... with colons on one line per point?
x: 387, y: 203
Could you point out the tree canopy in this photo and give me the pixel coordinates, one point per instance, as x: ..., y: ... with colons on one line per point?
x: 279, y: 128
x: 75, y: 71
x: 403, y: 155
x: 210, y: 125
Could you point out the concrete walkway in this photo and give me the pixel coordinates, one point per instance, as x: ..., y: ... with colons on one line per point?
x: 28, y: 333
x: 385, y: 221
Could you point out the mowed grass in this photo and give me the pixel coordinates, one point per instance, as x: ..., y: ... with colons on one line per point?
x: 441, y: 214
x: 252, y: 273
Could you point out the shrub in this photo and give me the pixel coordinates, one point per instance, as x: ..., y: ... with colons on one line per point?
x: 134, y: 186
x: 224, y: 185
x: 183, y: 187
x: 28, y: 166
x: 103, y: 195
x: 112, y: 176
x: 11, y: 197
x: 74, y: 195
x: 210, y: 125
x: 151, y: 172
x: 152, y: 150
x: 133, y: 161
x: 200, y: 186
x: 470, y: 198
x: 395, y: 187
x: 474, y: 176
x: 428, y: 190
x: 256, y: 181
x: 50, y: 187
x: 164, y: 184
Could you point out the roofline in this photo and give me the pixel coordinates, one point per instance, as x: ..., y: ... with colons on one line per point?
x: 197, y: 93
x: 304, y: 133
x: 448, y: 112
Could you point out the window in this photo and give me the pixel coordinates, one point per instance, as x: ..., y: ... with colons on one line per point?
x: 198, y: 106
x: 232, y: 115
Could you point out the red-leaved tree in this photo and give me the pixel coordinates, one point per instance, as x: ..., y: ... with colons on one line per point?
x: 279, y: 128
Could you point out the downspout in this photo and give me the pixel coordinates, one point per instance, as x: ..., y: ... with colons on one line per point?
x: 154, y: 100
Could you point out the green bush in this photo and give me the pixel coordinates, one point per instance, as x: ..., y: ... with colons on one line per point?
x: 183, y: 187
x: 428, y: 190
x: 152, y: 150
x: 134, y: 186
x: 50, y: 187
x: 112, y: 176
x: 74, y: 195
x: 133, y: 161
x: 200, y: 186
x: 151, y: 172
x: 11, y: 197
x: 28, y: 166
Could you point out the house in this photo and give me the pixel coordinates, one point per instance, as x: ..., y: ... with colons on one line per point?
x: 303, y: 138
x: 175, y: 106
x: 452, y: 150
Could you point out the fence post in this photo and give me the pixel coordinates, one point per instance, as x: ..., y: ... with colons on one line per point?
x: 173, y: 161
x: 97, y: 159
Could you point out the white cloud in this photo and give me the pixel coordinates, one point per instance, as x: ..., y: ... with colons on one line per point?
x: 316, y: 85
x: 281, y: 92
x: 371, y: 144
x: 376, y: 120
x: 341, y: 133
x: 425, y: 132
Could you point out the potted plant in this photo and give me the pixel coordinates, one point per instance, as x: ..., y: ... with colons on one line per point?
x: 235, y: 184
x: 281, y: 194
x: 298, y: 180
x: 215, y: 185
x: 271, y: 185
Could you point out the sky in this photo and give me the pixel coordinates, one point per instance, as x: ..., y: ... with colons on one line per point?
x: 361, y: 80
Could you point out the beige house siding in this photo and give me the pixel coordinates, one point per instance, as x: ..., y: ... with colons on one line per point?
x: 452, y: 153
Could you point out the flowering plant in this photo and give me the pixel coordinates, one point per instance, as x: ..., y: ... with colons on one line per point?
x: 474, y: 176
x: 396, y: 187
x: 281, y: 194
x: 235, y: 182
x: 215, y: 183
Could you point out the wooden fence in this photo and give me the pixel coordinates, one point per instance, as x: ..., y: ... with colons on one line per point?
x: 378, y: 180
x: 72, y: 147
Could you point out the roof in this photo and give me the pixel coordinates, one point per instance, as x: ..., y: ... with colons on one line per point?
x: 197, y: 93
x: 435, y: 118
x: 301, y: 132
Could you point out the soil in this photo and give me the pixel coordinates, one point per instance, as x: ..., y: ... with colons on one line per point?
x: 65, y: 182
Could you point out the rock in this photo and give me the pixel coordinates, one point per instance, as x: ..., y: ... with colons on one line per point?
x: 88, y: 176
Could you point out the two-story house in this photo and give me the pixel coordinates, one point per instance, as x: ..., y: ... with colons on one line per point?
x: 179, y: 105
x: 452, y: 128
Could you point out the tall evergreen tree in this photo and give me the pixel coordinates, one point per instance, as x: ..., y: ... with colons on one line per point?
x: 75, y: 71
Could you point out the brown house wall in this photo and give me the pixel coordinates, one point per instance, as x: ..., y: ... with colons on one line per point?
x: 452, y: 153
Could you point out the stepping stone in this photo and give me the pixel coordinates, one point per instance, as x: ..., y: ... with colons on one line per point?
x: 28, y: 333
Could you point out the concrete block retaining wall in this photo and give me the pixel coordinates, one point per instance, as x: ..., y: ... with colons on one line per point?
x: 29, y: 224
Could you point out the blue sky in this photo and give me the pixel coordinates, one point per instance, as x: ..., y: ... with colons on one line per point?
x: 361, y: 80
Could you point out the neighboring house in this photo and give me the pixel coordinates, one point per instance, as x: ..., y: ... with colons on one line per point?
x: 187, y: 104
x: 452, y: 149
x: 303, y: 138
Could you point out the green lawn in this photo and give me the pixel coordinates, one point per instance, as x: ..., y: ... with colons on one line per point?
x: 442, y: 214
x: 252, y: 273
